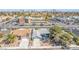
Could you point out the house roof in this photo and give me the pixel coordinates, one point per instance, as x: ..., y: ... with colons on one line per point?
x: 21, y: 32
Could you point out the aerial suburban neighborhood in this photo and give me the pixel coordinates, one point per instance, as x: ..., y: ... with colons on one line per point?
x: 39, y: 29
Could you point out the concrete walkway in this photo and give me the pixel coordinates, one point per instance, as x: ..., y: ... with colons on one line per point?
x: 24, y: 42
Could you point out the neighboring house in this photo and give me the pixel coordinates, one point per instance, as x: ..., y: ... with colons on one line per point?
x: 21, y: 20
x: 22, y: 32
x: 23, y: 35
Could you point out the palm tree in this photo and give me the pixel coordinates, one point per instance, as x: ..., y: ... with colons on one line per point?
x: 11, y: 38
x: 54, y: 33
x: 66, y: 39
x: 58, y: 37
x: 75, y: 38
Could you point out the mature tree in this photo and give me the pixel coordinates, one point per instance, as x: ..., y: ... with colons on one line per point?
x: 54, y: 34
x: 66, y: 40
x: 76, y: 40
x: 11, y: 38
x: 59, y: 37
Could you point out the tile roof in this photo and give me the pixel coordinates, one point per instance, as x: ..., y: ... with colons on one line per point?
x: 21, y: 32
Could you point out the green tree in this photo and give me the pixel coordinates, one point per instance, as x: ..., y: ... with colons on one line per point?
x: 76, y: 40
x: 11, y: 38
x: 54, y: 33
x: 57, y: 34
x: 66, y: 39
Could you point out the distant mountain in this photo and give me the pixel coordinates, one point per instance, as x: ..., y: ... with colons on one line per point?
x: 52, y: 10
